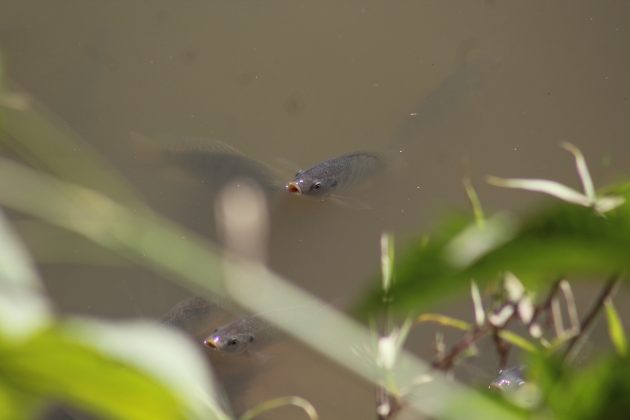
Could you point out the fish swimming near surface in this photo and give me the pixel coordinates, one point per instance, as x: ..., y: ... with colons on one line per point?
x: 216, y: 163
x: 335, y: 174
x: 249, y: 333
x: 237, y: 336
x: 508, y: 379
x: 234, y: 337
x: 330, y: 176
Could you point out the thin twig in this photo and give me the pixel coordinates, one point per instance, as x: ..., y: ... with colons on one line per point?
x: 387, y: 405
x: 447, y: 362
x: 547, y: 303
x: 576, y: 342
x: 503, y: 348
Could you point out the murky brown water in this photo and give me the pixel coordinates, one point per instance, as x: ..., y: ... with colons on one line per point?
x: 307, y: 81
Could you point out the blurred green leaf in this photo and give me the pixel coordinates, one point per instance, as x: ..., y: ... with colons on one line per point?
x: 16, y: 267
x: 135, y: 233
x: 163, y: 353
x: 53, y: 366
x: 125, y: 370
x: 599, y: 391
x: 47, y: 143
x: 17, y: 405
x: 23, y: 309
x: 22, y: 313
x: 49, y: 244
x: 561, y: 239
x: 615, y: 329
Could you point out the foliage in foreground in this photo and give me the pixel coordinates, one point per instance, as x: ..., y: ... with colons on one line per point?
x: 114, y: 369
x: 561, y: 240
x: 587, y: 235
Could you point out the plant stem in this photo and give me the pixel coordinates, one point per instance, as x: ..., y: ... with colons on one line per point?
x: 468, y: 340
x: 576, y: 342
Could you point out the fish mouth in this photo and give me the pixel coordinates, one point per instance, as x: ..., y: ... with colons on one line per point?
x: 209, y: 342
x: 294, y: 188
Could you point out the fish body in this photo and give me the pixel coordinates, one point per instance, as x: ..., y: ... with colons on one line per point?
x: 335, y: 174
x: 508, y: 379
x: 210, y: 161
x: 235, y: 337
x: 218, y: 168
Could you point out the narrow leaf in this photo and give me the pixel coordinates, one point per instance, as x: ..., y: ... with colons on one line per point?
x: 16, y: 266
x: 545, y: 186
x: 300, y: 402
x: 474, y: 202
x: 585, y: 176
x: 518, y: 341
x: 446, y: 321
x: 387, y: 260
x: 615, y: 329
x: 480, y: 313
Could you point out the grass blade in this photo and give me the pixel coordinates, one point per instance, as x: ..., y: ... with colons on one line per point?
x: 615, y: 328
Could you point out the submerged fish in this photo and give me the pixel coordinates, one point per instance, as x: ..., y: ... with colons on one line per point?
x: 212, y: 162
x: 508, y: 379
x: 237, y: 336
x: 335, y: 174
x: 215, y: 168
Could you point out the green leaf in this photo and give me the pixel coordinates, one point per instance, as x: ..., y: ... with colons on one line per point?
x: 23, y: 310
x: 163, y: 353
x: 598, y: 391
x: 561, y: 239
x: 615, y: 329
x: 46, y: 142
x: 17, y: 270
x: 17, y: 405
x: 53, y: 365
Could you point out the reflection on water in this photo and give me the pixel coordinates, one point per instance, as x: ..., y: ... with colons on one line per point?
x: 467, y: 87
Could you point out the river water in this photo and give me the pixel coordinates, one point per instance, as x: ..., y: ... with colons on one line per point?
x: 464, y: 88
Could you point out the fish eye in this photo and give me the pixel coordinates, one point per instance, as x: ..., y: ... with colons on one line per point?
x: 316, y: 186
x: 232, y: 342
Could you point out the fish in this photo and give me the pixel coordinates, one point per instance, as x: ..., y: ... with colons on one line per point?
x: 210, y: 161
x: 237, y: 336
x: 508, y: 380
x: 336, y: 174
x: 326, y: 178
x: 218, y: 168
x: 249, y: 333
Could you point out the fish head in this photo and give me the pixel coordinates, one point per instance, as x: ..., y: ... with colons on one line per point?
x: 308, y: 183
x: 229, y: 341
